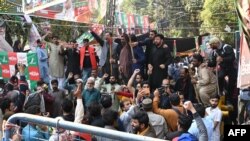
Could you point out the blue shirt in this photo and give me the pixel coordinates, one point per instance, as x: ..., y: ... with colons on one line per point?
x: 30, y: 133
x: 140, y: 58
x: 209, y: 124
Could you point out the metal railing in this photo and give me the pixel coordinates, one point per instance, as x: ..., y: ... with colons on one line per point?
x: 111, y: 134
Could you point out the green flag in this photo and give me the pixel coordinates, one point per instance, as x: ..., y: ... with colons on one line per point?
x: 4, y: 57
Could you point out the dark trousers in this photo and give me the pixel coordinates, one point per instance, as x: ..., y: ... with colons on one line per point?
x: 231, y: 73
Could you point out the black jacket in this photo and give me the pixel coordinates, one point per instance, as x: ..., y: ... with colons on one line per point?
x: 228, y: 55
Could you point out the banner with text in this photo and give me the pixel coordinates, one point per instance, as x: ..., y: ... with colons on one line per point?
x: 31, y: 6
x: 8, y: 60
x: 82, y: 11
x: 242, y: 7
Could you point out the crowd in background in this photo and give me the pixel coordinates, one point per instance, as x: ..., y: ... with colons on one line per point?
x: 132, y: 86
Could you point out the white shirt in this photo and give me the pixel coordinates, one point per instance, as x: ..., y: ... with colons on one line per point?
x: 216, y: 115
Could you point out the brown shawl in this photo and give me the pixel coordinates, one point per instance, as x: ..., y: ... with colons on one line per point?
x: 126, y: 61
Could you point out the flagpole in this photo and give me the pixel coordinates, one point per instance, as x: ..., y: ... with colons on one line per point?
x: 174, y: 49
x: 132, y: 51
x: 110, y: 57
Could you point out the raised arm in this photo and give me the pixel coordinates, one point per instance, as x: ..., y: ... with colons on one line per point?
x: 66, y: 83
x: 200, y: 125
x: 131, y: 80
x: 98, y: 38
x: 105, y: 76
x: 44, y: 36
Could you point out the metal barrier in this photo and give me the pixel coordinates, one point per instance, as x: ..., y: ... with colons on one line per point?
x: 111, y: 134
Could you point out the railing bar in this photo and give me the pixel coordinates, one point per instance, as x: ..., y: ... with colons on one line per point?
x: 79, y: 127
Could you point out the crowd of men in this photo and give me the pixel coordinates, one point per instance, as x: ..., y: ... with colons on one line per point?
x: 132, y: 86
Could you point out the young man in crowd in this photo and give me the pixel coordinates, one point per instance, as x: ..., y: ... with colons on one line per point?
x: 59, y: 96
x: 109, y: 54
x: 110, y: 89
x: 159, y: 60
x: 73, y: 58
x: 56, y: 61
x: 215, y: 113
x: 67, y: 108
x: 141, y: 126
x: 88, y: 60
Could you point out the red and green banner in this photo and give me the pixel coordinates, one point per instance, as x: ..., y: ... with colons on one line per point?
x: 8, y: 60
x: 124, y: 20
x: 146, y: 24
x: 138, y: 20
x: 82, y: 11
x: 85, y: 35
x: 33, y: 6
x: 131, y: 22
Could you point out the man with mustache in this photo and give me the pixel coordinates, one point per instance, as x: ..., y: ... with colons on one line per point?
x: 140, y: 125
x: 185, y: 86
x: 160, y: 58
x: 91, y: 94
x: 111, y: 88
x: 215, y: 113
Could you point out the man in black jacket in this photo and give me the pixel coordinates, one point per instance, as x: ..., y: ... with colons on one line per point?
x: 223, y: 55
x: 148, y: 42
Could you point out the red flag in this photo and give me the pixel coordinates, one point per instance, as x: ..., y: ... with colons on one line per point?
x: 5, y: 71
x: 34, y: 73
x: 12, y: 58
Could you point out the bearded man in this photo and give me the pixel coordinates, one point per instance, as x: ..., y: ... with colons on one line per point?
x: 110, y: 89
x: 160, y: 58
x: 90, y: 94
x: 125, y: 67
x: 140, y: 125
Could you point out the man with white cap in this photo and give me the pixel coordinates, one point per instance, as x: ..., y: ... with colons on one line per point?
x: 157, y: 121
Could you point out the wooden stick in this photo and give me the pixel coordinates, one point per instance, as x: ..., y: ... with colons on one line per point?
x: 132, y: 51
x: 110, y: 57
x: 217, y: 79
